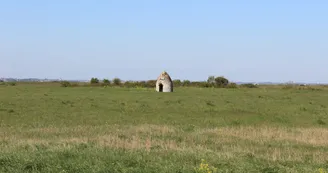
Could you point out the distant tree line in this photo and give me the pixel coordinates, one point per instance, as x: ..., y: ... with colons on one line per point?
x: 212, y: 82
x: 2, y: 83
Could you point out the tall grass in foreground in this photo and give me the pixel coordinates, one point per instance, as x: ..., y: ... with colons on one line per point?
x: 148, y: 148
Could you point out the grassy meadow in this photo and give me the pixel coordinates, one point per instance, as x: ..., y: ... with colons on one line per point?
x: 48, y: 128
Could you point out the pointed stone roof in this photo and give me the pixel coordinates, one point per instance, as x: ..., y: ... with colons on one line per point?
x: 165, y: 75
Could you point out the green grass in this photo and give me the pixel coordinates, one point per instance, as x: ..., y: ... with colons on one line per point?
x: 47, y: 128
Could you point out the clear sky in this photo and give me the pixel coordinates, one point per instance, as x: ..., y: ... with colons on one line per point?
x: 254, y: 40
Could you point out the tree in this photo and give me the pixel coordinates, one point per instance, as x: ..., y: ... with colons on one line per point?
x: 249, y: 85
x: 177, y: 82
x: 186, y: 83
x: 142, y: 84
x: 221, y: 81
x: 151, y: 83
x: 65, y: 83
x: 106, y: 81
x: 211, y: 80
x: 128, y: 84
x: 117, y: 81
x: 94, y: 80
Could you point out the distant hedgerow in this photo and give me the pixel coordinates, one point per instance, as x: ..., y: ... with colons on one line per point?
x: 177, y: 82
x: 106, y: 81
x: 94, y: 80
x: 65, y: 84
x: 151, y: 84
x: 186, y: 83
x: 117, y: 81
x: 249, y: 85
x: 12, y: 83
x: 232, y: 85
x: 212, y: 81
x: 221, y: 81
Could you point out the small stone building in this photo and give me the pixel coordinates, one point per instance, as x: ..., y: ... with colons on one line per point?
x: 164, y: 83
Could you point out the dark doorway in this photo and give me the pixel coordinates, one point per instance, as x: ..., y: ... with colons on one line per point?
x: 160, y: 87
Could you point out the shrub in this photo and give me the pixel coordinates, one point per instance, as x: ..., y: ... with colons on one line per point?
x: 321, y: 170
x: 128, y: 84
x: 321, y: 122
x: 151, y: 83
x: 207, y: 85
x: 94, y: 80
x: 117, y: 81
x: 232, y: 85
x: 211, y: 80
x: 205, y: 168
x: 177, y: 82
x: 249, y: 85
x: 288, y: 86
x: 65, y: 84
x: 221, y: 81
x: 75, y: 84
x: 141, y: 84
x: 186, y: 83
x: 199, y: 84
x: 106, y: 81
x: 12, y: 83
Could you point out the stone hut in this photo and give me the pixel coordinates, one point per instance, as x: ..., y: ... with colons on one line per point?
x: 164, y: 83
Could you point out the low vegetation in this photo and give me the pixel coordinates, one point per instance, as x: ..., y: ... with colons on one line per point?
x: 212, y: 82
x: 46, y: 128
x: 249, y: 85
x: 8, y: 83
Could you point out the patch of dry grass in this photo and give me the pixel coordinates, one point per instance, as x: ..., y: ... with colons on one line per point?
x: 311, y: 136
x: 268, y: 143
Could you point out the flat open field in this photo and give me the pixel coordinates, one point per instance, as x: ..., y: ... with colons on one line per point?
x: 47, y: 128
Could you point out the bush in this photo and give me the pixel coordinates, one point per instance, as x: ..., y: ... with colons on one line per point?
x: 177, y: 82
x: 211, y: 80
x: 117, y: 81
x: 75, y: 84
x: 288, y: 86
x: 207, y: 85
x: 94, y: 80
x: 8, y: 83
x: 12, y: 83
x: 128, y: 84
x: 249, y: 85
x: 65, y: 84
x: 135, y: 84
x: 106, y: 81
x: 205, y: 168
x: 232, y: 85
x: 221, y: 81
x: 141, y: 84
x: 186, y: 83
x: 151, y: 83
x: 199, y: 84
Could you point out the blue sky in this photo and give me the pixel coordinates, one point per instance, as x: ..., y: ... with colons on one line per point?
x: 256, y: 40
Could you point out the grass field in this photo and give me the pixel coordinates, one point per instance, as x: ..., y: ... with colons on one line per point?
x: 47, y: 128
